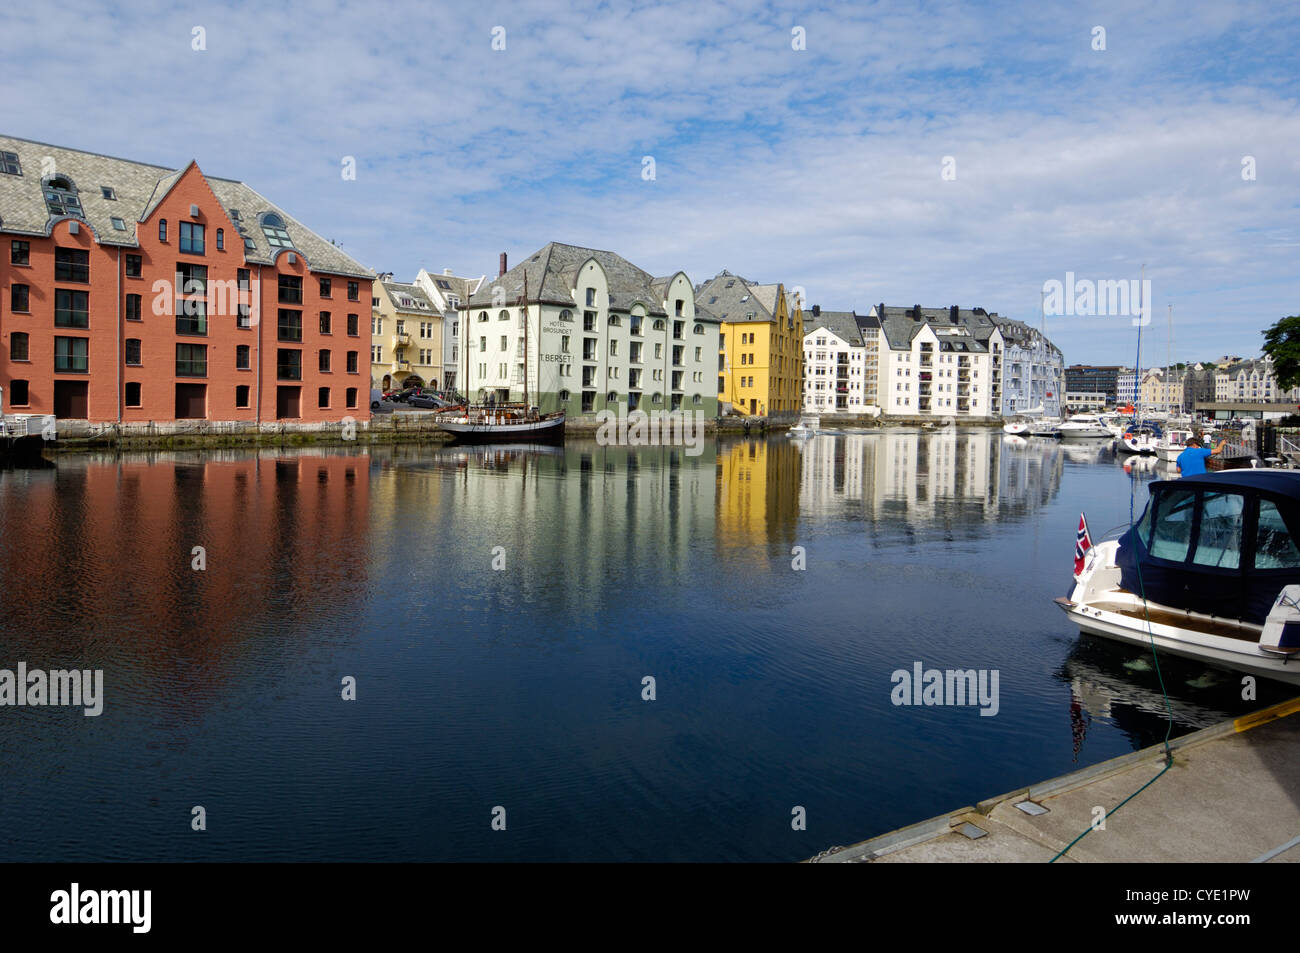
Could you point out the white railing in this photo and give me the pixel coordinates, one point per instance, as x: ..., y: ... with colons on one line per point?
x: 13, y: 426
x: 1288, y: 447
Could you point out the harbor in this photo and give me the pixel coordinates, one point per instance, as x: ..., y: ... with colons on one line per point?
x: 1223, y: 794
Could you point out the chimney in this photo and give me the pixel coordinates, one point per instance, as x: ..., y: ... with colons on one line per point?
x: 447, y: 272
x: 503, y: 265
x: 817, y: 311
x: 880, y: 313
x: 916, y: 312
x: 952, y: 313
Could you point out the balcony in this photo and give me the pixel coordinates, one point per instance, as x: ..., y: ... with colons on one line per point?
x: 401, y: 339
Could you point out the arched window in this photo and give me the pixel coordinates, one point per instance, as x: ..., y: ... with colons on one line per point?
x: 566, y: 315
x: 657, y: 398
x: 564, y: 395
x: 274, y: 230
x: 611, y: 397
x: 503, y: 316
x: 615, y: 321
x: 659, y: 324
x: 699, y: 329
x: 482, y: 316
x: 221, y: 239
x: 162, y: 229
x: 61, y: 196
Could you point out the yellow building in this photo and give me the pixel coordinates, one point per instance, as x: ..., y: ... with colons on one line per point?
x: 760, y: 352
x: 405, y: 338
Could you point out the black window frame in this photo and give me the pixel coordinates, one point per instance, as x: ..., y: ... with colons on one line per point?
x: 290, y: 330
x: 16, y: 337
x: 185, y: 367
x: 134, y: 266
x: 26, y: 248
x: 133, y: 307
x: 187, y: 244
x: 127, y: 350
x: 85, y: 357
x: 75, y: 272
x: 64, y: 314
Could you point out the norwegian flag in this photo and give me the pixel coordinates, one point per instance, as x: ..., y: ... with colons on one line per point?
x: 1082, y: 543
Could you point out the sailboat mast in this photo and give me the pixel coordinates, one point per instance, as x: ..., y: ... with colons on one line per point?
x: 1137, y: 370
x: 526, y: 404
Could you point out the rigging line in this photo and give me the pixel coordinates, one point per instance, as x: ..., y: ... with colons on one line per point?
x: 1169, y: 724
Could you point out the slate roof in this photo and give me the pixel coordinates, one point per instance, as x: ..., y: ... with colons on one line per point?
x: 733, y: 298
x: 843, y: 324
x: 552, y: 278
x: 900, y: 326
x: 409, y: 299
x: 139, y: 188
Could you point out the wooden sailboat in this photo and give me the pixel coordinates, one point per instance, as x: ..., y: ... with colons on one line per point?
x: 505, y: 421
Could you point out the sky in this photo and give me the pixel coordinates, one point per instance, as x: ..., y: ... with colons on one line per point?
x: 910, y: 153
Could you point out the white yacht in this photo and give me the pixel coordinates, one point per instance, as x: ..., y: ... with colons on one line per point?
x: 809, y: 425
x: 1084, y: 427
x: 1172, y: 444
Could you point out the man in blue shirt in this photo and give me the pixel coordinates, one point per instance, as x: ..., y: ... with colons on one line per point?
x: 1192, y: 460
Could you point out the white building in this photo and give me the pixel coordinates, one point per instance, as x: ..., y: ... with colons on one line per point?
x: 840, y: 363
x: 1033, y: 375
x: 586, y: 330
x: 939, y: 362
x: 446, y: 292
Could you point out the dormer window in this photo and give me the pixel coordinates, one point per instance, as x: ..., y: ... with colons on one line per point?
x: 61, y: 197
x: 273, y: 229
x: 249, y: 244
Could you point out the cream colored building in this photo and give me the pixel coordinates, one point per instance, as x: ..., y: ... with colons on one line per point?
x: 405, y: 338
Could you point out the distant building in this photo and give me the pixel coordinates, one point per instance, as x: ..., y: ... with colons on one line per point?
x: 1033, y: 375
x: 1198, y: 384
x: 1084, y: 403
x: 1090, y: 379
x: 1251, y: 382
x: 1126, y: 386
x: 404, y: 349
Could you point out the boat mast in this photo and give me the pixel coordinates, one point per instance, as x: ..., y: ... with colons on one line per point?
x: 526, y: 405
x: 1137, y: 370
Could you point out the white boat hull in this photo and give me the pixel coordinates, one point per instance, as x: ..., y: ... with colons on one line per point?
x: 1084, y: 433
x: 474, y: 431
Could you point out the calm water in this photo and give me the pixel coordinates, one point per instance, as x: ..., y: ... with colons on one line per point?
x: 522, y: 687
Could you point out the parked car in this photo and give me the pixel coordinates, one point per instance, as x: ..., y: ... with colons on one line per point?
x: 429, y: 400
x: 376, y: 396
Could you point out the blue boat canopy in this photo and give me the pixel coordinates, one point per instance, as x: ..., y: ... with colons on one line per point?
x: 1223, y: 544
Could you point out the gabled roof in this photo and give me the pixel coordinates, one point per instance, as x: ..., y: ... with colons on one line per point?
x: 409, y: 299
x: 138, y: 188
x: 734, y: 299
x: 552, y: 274
x: 843, y: 324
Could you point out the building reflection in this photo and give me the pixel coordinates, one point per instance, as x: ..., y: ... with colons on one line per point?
x: 926, y: 477
x: 113, y: 538
x: 758, y: 497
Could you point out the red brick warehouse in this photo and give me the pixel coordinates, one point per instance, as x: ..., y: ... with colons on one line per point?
x: 133, y: 293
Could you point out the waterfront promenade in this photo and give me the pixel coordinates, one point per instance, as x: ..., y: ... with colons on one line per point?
x: 1231, y: 795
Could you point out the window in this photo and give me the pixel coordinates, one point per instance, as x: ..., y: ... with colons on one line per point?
x: 503, y: 342
x: 191, y: 316
x: 133, y: 351
x: 352, y: 325
x: 591, y: 297
x: 241, y: 395
x: 589, y: 320
x: 72, y: 264
x: 191, y: 360
x: 273, y: 229
x: 132, y: 395
x: 61, y: 197
x: 698, y: 329
x: 1274, y: 546
x: 588, y: 401
x: 615, y: 321
x: 288, y: 364
x: 133, y: 307
x: 108, y: 193
x: 133, y: 266
x: 1172, y: 533
x: 118, y: 224
x: 659, y: 326
x: 290, y: 289
x: 9, y: 164
x: 354, y: 291
x: 18, y: 346
x: 1218, y: 542
x: 221, y: 239
x: 324, y: 287
x: 613, y: 348
x: 290, y: 325
x: 565, y: 396
x: 244, y: 320
x: 352, y: 397
x: 18, y: 393
x: 191, y: 279
x: 249, y: 244
x: 566, y: 315
x: 352, y: 362
x: 20, y: 252
x: 162, y: 229
x: 71, y: 308
x: 324, y: 362
x: 324, y: 322
x: 242, y: 357
x: 611, y: 397
x: 71, y: 354
x: 323, y: 397
x: 678, y: 329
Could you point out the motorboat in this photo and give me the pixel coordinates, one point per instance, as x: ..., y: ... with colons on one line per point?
x: 1210, y: 572
x: 1084, y: 427
x: 1141, y: 438
x: 809, y: 425
x: 1017, y: 427
x: 1172, y: 444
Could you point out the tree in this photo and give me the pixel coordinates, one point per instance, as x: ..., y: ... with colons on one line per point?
x: 1282, y: 344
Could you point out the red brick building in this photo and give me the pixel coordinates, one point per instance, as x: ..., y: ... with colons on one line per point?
x: 134, y: 293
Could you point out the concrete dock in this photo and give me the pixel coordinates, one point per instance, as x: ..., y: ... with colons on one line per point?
x: 1231, y: 795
